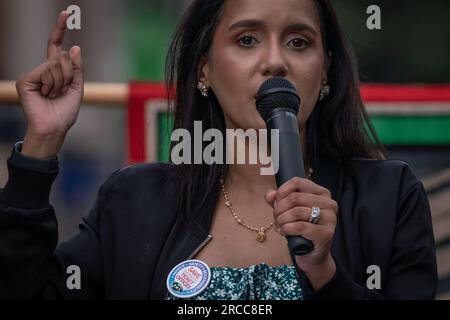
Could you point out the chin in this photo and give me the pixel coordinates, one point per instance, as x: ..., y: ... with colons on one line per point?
x: 261, y: 125
x: 251, y: 124
x: 257, y: 121
x: 257, y: 125
x: 249, y: 120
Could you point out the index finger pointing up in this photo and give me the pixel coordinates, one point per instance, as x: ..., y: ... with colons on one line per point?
x: 57, y: 36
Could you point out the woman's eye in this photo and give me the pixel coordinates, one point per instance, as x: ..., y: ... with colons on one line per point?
x: 247, y: 41
x: 298, y: 43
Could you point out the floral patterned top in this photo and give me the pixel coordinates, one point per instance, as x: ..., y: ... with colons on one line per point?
x: 258, y: 282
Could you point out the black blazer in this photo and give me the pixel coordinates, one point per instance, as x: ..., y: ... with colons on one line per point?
x: 132, y: 236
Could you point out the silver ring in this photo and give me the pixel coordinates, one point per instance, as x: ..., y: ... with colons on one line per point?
x: 315, y: 214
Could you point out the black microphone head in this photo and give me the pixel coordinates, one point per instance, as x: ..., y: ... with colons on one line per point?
x: 276, y: 93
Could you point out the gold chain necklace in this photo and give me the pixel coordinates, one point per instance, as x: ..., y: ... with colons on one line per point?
x: 261, y: 231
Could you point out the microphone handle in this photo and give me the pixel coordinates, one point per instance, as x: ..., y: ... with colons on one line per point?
x: 290, y: 165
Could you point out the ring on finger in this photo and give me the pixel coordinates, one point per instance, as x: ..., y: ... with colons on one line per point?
x: 315, y: 214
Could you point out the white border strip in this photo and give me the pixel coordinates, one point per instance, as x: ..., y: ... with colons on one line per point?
x: 408, y: 108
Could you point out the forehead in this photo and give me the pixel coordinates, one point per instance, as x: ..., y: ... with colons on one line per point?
x: 273, y: 13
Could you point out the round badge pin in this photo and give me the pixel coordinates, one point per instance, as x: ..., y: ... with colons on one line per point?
x: 188, y: 278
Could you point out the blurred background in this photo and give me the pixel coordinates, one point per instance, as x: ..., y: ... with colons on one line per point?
x: 127, y: 40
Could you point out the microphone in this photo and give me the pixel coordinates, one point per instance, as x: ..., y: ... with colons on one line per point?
x: 278, y: 104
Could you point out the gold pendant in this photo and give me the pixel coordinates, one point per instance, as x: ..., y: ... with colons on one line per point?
x: 261, y: 236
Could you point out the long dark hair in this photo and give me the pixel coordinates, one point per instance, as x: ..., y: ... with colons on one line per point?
x: 339, y: 126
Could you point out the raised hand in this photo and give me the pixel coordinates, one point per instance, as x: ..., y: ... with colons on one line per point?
x: 51, y: 96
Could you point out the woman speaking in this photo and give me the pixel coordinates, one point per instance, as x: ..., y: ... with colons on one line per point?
x: 218, y: 231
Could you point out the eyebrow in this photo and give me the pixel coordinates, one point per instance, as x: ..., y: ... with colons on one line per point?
x: 255, y: 23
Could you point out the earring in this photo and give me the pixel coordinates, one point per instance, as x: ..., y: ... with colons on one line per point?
x: 324, y: 92
x: 203, y: 89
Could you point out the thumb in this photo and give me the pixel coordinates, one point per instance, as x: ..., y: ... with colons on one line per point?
x: 75, y: 57
x: 270, y: 197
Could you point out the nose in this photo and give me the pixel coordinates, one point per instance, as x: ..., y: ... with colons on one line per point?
x: 274, y: 63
